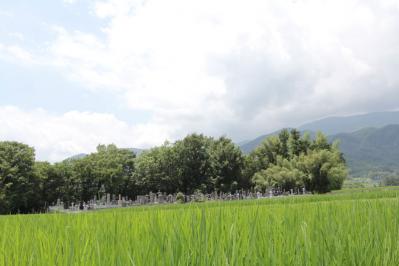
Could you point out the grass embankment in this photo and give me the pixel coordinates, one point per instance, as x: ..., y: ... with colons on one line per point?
x: 349, y: 227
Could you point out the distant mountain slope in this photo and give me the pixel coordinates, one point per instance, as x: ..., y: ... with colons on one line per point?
x: 371, y: 149
x: 335, y: 125
x: 249, y: 146
x: 77, y: 156
x: 136, y: 151
x: 82, y: 155
x: 368, y: 151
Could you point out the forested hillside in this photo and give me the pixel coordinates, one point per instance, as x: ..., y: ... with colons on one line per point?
x: 369, y: 142
x: 371, y: 151
x: 348, y: 124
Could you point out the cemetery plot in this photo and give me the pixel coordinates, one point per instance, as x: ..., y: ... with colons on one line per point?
x: 162, y: 198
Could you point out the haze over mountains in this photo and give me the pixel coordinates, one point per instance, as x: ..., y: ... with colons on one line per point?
x: 82, y: 155
x: 335, y: 125
x: 370, y: 142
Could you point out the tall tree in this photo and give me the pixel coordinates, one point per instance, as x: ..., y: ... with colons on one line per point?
x: 50, y: 183
x: 17, y: 180
x: 227, y: 162
x: 194, y: 168
x: 156, y: 170
x: 325, y: 170
x: 284, y: 137
x: 71, y: 184
x: 284, y: 175
x: 317, y: 164
x: 263, y: 156
x: 294, y: 143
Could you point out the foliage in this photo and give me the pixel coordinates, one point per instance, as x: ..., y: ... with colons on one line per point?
x: 284, y: 175
x: 50, y: 183
x: 371, y: 152
x: 180, y: 197
x: 18, y: 184
x: 156, y: 170
x: 193, y: 163
x: 227, y: 163
x: 290, y: 161
x: 110, y: 168
x: 324, y: 170
x: 196, y: 163
x: 390, y: 180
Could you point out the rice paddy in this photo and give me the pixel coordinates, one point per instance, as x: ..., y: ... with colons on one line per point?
x: 352, y: 227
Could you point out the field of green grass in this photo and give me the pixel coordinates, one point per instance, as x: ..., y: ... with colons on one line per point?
x: 349, y: 227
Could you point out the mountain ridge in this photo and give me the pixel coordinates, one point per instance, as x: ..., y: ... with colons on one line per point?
x: 346, y: 124
x: 82, y: 155
x: 335, y: 125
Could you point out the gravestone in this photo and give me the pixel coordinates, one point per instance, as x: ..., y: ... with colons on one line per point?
x: 108, y: 199
x: 120, y: 200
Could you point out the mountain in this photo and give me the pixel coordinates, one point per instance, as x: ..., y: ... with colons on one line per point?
x: 335, y: 125
x: 82, y: 155
x: 347, y: 124
x: 371, y: 150
x: 249, y: 146
x: 77, y: 157
x: 136, y: 151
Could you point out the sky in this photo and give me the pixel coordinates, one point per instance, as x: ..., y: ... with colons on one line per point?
x: 77, y: 73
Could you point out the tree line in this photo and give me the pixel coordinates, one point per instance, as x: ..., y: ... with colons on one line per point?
x: 196, y: 163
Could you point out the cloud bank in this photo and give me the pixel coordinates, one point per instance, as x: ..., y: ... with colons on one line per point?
x: 56, y: 137
x: 240, y: 68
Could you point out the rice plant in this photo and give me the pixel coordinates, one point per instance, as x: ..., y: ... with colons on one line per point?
x: 354, y: 227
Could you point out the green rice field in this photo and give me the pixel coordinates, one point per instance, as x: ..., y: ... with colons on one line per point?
x: 349, y: 227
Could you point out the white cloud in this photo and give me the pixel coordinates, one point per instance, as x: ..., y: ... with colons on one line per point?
x: 17, y: 35
x: 240, y: 67
x: 5, y: 13
x: 57, y: 137
x: 16, y: 54
x: 70, y: 1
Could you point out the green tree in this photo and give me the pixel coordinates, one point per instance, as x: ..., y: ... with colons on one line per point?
x: 110, y: 167
x: 70, y: 190
x: 227, y: 163
x: 320, y: 142
x: 317, y: 164
x: 194, y: 168
x: 193, y: 163
x: 325, y: 170
x: 284, y: 175
x: 295, y: 146
x: 391, y: 179
x: 263, y: 156
x: 156, y: 170
x: 50, y: 183
x: 284, y: 137
x: 17, y: 179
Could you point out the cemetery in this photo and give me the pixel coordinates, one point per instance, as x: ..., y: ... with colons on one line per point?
x: 109, y: 201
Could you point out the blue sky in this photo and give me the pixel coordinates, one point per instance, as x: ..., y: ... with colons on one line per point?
x: 76, y: 73
x: 29, y: 24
